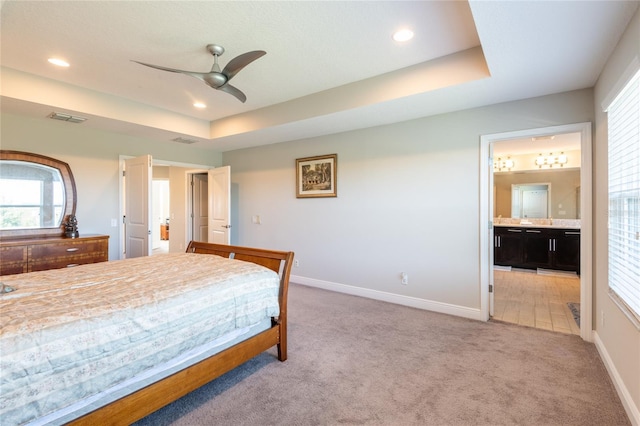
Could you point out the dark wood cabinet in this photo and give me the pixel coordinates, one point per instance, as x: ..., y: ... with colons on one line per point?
x: 567, y: 250
x: 532, y: 248
x: 507, y: 246
x: 22, y: 255
x: 537, y: 248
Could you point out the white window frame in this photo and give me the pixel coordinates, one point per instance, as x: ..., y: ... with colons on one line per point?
x: 623, y: 109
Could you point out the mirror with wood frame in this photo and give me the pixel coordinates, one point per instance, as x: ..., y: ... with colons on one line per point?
x: 37, y: 195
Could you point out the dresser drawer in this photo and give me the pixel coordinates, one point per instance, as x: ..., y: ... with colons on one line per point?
x: 67, y: 254
x: 67, y: 249
x: 14, y: 260
x: 64, y: 262
x: 39, y: 254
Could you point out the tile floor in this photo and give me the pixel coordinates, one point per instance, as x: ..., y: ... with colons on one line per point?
x: 536, y: 299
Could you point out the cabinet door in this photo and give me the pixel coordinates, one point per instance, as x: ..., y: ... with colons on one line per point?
x: 537, y: 248
x: 507, y: 246
x: 567, y: 250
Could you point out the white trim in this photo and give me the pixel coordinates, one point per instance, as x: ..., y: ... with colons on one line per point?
x: 624, y: 78
x: 625, y: 397
x: 413, y: 302
x: 586, y: 232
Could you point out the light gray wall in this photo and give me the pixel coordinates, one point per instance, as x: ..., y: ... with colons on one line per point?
x: 94, y: 160
x: 408, y: 199
x: 617, y: 337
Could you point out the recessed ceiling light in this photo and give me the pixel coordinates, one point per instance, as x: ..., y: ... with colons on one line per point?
x: 403, y: 35
x: 58, y: 62
x: 199, y: 105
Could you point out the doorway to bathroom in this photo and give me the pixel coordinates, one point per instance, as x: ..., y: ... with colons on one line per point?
x: 534, y: 286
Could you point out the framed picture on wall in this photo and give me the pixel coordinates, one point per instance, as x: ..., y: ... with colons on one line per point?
x: 317, y: 176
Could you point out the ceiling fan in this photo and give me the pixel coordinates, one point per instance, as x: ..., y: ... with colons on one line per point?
x: 215, y: 78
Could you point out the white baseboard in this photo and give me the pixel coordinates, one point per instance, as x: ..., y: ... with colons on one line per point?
x: 630, y: 407
x: 414, y: 302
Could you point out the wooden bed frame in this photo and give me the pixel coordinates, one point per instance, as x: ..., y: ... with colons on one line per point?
x: 155, y: 396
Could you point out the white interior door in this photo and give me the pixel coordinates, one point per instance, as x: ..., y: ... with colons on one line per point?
x: 220, y: 205
x: 200, y: 197
x: 137, y: 209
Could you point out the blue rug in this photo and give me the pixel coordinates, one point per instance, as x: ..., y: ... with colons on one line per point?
x: 575, y: 310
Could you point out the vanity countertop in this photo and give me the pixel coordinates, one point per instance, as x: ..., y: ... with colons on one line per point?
x: 537, y: 223
x: 533, y: 225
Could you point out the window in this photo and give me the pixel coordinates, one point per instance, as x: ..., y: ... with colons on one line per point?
x: 624, y: 196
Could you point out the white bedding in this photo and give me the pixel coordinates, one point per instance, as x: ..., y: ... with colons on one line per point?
x: 69, y: 334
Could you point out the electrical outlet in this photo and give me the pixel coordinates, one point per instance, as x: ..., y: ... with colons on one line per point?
x: 296, y: 262
x: 404, y: 278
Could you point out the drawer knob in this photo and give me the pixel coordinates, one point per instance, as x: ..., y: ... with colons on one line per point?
x: 71, y: 265
x: 73, y: 249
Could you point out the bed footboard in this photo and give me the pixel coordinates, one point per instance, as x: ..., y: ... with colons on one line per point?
x: 278, y: 261
x: 155, y: 396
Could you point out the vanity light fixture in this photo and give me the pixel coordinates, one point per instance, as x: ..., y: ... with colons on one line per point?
x: 403, y: 35
x: 501, y: 164
x: 551, y: 160
x: 58, y: 62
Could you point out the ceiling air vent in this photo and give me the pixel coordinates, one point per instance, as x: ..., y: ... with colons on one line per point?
x: 184, y: 141
x: 66, y: 117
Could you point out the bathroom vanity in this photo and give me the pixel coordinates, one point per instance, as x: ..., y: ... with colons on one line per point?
x: 537, y: 246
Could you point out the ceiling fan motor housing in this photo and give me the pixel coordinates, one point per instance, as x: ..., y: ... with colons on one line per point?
x: 215, y: 80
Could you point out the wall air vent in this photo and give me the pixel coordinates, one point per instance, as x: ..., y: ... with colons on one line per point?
x: 66, y: 117
x: 184, y: 141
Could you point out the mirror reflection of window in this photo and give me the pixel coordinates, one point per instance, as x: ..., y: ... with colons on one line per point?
x: 31, y: 196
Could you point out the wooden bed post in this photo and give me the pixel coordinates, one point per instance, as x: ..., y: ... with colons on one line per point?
x: 283, y: 297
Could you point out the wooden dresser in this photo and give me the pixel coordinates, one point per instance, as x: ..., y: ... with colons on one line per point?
x: 19, y: 255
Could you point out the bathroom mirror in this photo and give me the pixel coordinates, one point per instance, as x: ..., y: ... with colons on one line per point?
x: 37, y: 194
x: 563, y: 192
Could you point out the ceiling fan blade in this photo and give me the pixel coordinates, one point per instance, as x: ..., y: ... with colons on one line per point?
x: 233, y: 91
x: 241, y: 61
x: 158, y: 67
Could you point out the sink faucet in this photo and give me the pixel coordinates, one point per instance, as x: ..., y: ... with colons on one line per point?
x: 550, y: 220
x: 499, y: 217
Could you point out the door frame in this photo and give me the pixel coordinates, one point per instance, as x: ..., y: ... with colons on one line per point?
x: 586, y: 220
x: 155, y: 162
x: 189, y: 201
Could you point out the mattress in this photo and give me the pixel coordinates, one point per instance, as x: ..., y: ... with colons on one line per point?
x: 67, y: 335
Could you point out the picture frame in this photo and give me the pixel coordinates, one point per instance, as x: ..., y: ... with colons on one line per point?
x: 317, y: 176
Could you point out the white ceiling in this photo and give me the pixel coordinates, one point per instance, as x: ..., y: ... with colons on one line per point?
x: 329, y: 67
x: 563, y: 142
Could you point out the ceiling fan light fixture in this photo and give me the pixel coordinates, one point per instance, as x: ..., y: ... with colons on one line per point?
x: 403, y: 35
x: 59, y: 62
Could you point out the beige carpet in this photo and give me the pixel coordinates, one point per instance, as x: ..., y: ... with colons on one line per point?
x: 354, y: 361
